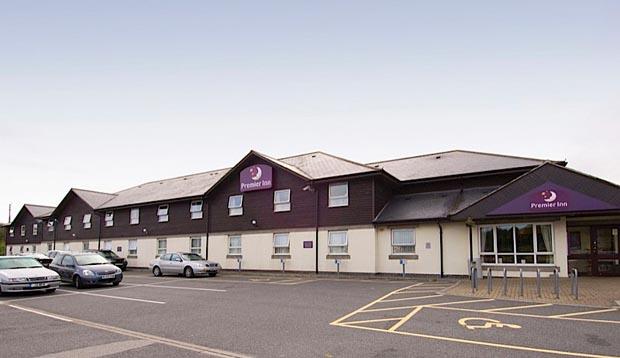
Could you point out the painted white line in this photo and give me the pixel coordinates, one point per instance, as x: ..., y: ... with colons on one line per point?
x: 516, y: 307
x: 101, y: 350
x: 582, y: 313
x: 184, y: 288
x: 41, y: 313
x: 116, y: 297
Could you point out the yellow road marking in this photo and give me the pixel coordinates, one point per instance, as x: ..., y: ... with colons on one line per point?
x: 426, y: 305
x: 388, y: 309
x: 374, y: 320
x: 405, y: 319
x: 516, y: 307
x: 459, y: 302
x: 481, y: 343
x: 410, y: 298
x: 582, y: 313
x: 421, y: 291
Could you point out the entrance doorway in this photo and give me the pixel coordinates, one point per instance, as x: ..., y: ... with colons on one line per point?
x: 593, y: 250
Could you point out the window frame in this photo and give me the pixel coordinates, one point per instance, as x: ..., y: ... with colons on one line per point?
x: 131, y: 216
x: 239, y: 247
x: 106, y: 246
x: 196, y: 214
x: 159, y: 248
x: 345, y: 245
x: 87, y: 224
x: 331, y: 198
x: 22, y: 230
x: 67, y: 222
x: 281, y: 206
x: 85, y: 245
x: 495, y: 254
x: 235, y: 210
x: 11, y: 231
x: 286, y: 252
x: 163, y: 208
x: 35, y: 229
x: 195, y: 249
x: 109, y: 218
x: 393, y: 245
x: 135, y: 250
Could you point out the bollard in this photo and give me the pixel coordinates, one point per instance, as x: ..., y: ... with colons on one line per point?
x: 575, y: 284
x: 239, y: 261
x: 556, y: 282
x: 338, y: 268
x: 282, y: 261
x: 505, y: 282
x: 521, y: 282
x: 403, y: 262
x: 489, y: 281
x: 473, y: 280
x: 538, y: 282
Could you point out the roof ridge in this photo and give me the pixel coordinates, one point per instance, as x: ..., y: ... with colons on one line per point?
x: 411, y: 157
x: 41, y: 206
x: 173, y: 178
x: 92, y: 191
x: 283, y: 163
x: 299, y: 155
x: 349, y: 161
x: 464, y: 151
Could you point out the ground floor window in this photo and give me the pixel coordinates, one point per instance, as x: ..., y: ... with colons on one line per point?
x: 10, y: 249
x: 338, y: 242
x: 107, y: 245
x: 85, y: 245
x: 403, y: 241
x: 34, y: 248
x: 234, y: 245
x: 133, y: 247
x: 162, y: 246
x: 50, y: 246
x: 66, y: 247
x: 517, y: 244
x: 281, y: 245
x: 195, y: 245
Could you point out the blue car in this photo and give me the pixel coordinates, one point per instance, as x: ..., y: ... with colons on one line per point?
x: 86, y: 269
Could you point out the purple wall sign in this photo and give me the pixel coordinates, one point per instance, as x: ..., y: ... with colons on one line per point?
x: 551, y: 198
x: 256, y: 177
x: 307, y: 244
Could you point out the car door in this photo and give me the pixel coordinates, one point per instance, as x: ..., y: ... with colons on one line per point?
x: 68, y: 267
x: 176, y: 264
x: 164, y: 264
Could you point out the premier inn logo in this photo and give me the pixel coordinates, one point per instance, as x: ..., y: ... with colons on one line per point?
x: 256, y: 177
x: 549, y: 200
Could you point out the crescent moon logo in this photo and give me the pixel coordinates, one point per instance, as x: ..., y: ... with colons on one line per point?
x: 549, y: 196
x: 256, y: 173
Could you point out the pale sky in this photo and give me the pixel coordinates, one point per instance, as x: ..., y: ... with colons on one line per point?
x: 107, y: 95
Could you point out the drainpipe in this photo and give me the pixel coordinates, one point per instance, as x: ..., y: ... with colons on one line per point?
x: 98, y: 231
x: 316, y: 232
x: 440, y: 249
x: 206, y: 205
x: 471, y: 244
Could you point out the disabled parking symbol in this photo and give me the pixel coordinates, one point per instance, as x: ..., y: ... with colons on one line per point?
x: 484, y: 323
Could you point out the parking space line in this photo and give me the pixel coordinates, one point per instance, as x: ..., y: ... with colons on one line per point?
x: 480, y: 343
x: 115, y: 297
x: 405, y: 319
x: 41, y: 313
x: 411, y: 291
x: 459, y: 302
x: 388, y: 309
x: 184, y: 288
x: 516, y: 307
x: 374, y: 320
x: 582, y: 313
x: 411, y: 298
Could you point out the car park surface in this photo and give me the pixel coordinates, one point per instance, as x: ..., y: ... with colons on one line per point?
x: 242, y: 314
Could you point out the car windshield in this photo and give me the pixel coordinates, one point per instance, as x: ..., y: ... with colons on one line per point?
x: 94, y: 259
x: 108, y: 254
x: 192, y: 257
x: 18, y: 262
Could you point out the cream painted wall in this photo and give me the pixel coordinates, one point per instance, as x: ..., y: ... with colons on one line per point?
x: 361, y: 249
x: 428, y: 258
x: 456, y: 248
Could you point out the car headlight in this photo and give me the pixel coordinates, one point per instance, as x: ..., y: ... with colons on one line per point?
x: 55, y: 277
x: 88, y: 273
x: 119, y: 271
x: 18, y: 279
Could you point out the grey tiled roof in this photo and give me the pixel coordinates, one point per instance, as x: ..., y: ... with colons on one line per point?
x: 93, y: 198
x: 39, y: 211
x: 456, y: 162
x: 427, y: 206
x: 319, y: 165
x: 167, y: 189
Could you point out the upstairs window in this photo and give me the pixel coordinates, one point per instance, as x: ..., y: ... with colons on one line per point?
x: 338, y: 242
x: 109, y: 218
x: 86, y: 221
x: 282, y: 200
x: 162, y: 213
x: 12, y: 232
x: 50, y: 227
x: 235, y: 205
x: 338, y: 195
x: 234, y: 245
x: 281, y: 244
x: 22, y: 230
x: 195, y: 209
x: 67, y: 223
x: 134, y: 216
x: 403, y: 241
x: 35, y: 229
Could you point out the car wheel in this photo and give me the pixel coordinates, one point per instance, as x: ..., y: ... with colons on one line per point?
x: 115, y: 283
x: 156, y: 271
x: 212, y: 274
x: 188, y: 272
x: 51, y: 290
x: 77, y: 282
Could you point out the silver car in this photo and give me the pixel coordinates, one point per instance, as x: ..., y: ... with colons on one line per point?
x: 183, y: 263
x: 25, y: 274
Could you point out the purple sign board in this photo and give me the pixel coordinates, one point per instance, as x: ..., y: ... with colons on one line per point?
x: 551, y: 198
x: 256, y: 177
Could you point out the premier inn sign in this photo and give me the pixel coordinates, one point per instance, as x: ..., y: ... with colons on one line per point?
x: 256, y: 177
x: 551, y: 197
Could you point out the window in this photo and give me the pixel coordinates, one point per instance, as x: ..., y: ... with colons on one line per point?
x: 33, y: 248
x: 12, y: 232
x: 109, y: 218
x: 162, y: 246
x: 338, y: 195
x: 133, y: 247
x: 66, y: 247
x: 162, y: 213
x: 35, y: 229
x: 517, y: 244
x: 235, y: 205
x: 134, y: 216
x: 107, y: 245
x: 50, y: 247
x: 21, y: 249
x: 50, y: 226
x: 86, y: 221
x: 67, y: 223
x: 403, y: 241
x: 195, y: 209
x: 338, y: 242
x: 85, y: 245
x: 67, y: 260
x: 282, y: 200
x: 166, y: 257
x: 234, y: 245
x: 195, y: 244
x: 281, y: 245
x: 22, y: 230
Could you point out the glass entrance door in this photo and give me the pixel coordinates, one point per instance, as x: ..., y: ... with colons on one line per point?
x: 594, y: 250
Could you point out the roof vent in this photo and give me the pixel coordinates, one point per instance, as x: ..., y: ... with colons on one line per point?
x: 161, y: 182
x: 313, y: 155
x: 438, y: 157
x: 376, y: 165
x: 184, y: 178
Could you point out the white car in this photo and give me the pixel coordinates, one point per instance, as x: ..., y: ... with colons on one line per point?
x: 25, y: 274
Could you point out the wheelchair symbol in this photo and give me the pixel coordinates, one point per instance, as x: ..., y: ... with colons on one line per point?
x: 488, y: 323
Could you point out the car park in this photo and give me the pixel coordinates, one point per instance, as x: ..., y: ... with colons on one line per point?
x: 42, y: 258
x: 86, y: 269
x: 25, y: 274
x: 183, y: 263
x: 113, y: 258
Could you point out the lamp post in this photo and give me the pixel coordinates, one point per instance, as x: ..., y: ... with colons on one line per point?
x: 54, y: 226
